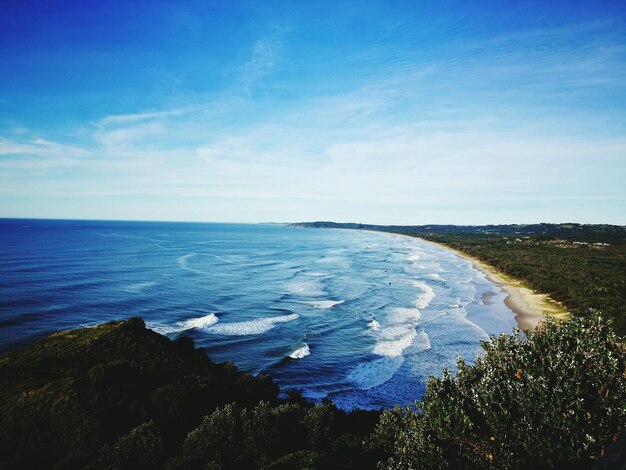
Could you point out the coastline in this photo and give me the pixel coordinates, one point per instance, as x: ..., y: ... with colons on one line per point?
x: 530, y: 307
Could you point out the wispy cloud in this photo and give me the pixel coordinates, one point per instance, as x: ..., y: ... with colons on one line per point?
x: 527, y: 120
x: 118, y: 119
x: 264, y: 54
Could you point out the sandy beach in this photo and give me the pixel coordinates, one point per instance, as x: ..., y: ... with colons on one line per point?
x: 529, y: 306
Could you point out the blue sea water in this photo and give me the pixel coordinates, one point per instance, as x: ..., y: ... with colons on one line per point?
x: 298, y: 304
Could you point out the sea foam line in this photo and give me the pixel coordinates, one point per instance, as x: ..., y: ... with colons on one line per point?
x: 423, y: 301
x: 251, y: 327
x: 200, y: 323
x: 397, y: 333
x: 372, y: 374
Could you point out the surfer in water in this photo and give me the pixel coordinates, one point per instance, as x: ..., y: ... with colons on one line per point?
x: 374, y: 325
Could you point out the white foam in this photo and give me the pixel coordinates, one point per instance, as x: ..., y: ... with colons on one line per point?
x: 162, y: 329
x: 401, y: 315
x: 251, y: 327
x: 308, y: 288
x: 199, y: 323
x: 374, y: 325
x: 375, y: 373
x: 436, y: 277
x: 397, y: 333
x: 421, y: 342
x: 301, y: 352
x: 323, y: 304
x: 138, y: 287
x: 426, y: 297
x: 393, y: 345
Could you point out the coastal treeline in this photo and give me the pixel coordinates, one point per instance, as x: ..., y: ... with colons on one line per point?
x: 581, y: 266
x: 122, y: 396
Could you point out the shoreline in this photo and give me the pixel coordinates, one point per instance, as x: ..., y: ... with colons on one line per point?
x: 530, y: 307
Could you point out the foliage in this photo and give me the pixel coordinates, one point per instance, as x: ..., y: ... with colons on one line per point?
x: 122, y: 396
x: 278, y: 436
x: 139, y: 449
x: 63, y: 399
x: 554, y: 399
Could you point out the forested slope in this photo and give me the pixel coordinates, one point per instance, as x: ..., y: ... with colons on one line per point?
x: 122, y: 396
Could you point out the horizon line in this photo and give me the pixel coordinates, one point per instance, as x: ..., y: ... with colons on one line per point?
x: 301, y: 222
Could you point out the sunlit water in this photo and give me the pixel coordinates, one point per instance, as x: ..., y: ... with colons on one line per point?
x: 296, y: 303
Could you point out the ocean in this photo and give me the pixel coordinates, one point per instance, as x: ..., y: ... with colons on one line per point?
x: 361, y: 318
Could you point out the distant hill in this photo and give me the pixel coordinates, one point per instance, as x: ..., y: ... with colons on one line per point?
x: 595, y: 233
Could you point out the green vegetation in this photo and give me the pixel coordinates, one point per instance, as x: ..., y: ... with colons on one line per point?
x: 581, y: 266
x: 121, y: 396
x: 553, y: 400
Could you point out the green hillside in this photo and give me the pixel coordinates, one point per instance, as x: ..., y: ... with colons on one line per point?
x: 122, y: 396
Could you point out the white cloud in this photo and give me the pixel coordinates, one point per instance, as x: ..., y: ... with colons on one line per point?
x: 120, y: 119
x: 265, y: 52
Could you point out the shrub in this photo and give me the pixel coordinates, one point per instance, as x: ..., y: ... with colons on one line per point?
x: 320, y: 423
x: 218, y: 439
x: 139, y: 449
x: 553, y: 399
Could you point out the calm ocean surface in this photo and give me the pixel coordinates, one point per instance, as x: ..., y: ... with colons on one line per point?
x: 296, y: 303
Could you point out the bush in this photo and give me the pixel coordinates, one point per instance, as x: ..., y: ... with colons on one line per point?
x: 320, y: 422
x: 139, y: 449
x: 554, y: 399
x: 218, y: 440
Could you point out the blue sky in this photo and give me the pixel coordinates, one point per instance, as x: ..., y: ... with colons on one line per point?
x: 381, y: 112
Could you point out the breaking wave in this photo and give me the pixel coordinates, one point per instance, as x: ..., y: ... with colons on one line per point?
x: 197, y: 323
x: 423, y: 301
x: 251, y: 327
x: 301, y: 352
x: 374, y: 373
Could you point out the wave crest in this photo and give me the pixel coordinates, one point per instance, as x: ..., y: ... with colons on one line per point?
x: 251, y: 327
x: 375, y: 373
x: 199, y: 323
x: 423, y: 300
x: 301, y: 352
